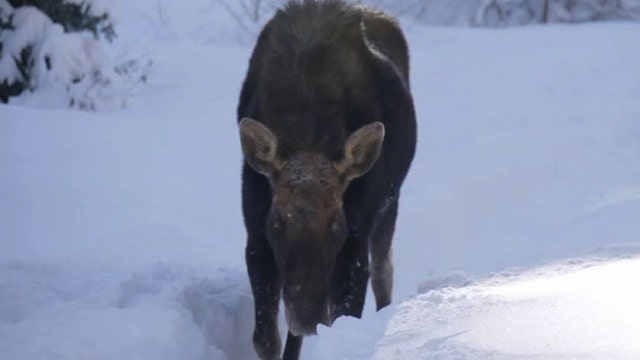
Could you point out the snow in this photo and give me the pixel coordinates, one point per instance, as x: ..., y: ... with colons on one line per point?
x: 522, y: 132
x: 122, y: 236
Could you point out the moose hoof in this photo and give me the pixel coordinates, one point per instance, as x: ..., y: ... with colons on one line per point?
x: 382, y: 301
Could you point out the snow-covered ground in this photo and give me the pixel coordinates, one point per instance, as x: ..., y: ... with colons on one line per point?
x: 121, y: 234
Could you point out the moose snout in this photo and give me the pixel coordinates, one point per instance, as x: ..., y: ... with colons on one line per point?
x: 305, y: 307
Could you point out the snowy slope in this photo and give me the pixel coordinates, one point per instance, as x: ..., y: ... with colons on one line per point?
x: 121, y: 232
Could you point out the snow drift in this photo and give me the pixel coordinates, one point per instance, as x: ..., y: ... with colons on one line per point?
x: 585, y: 309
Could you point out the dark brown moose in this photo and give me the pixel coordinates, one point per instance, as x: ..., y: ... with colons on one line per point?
x: 328, y: 132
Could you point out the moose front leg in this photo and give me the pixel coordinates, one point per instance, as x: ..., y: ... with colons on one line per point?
x: 381, y: 253
x: 265, y: 286
x: 292, y: 347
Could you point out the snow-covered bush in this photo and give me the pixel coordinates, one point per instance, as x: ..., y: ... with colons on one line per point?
x: 496, y: 13
x: 76, y: 15
x: 493, y: 13
x: 517, y: 12
x: 55, y: 48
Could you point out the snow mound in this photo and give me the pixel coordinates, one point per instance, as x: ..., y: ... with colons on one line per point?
x: 452, y: 279
x: 583, y: 309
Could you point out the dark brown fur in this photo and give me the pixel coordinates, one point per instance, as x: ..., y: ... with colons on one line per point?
x: 320, y: 71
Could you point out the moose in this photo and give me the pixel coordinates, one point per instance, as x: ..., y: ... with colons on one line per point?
x: 328, y: 133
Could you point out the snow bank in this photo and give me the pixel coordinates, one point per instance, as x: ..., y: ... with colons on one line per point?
x: 577, y: 310
x: 50, y: 311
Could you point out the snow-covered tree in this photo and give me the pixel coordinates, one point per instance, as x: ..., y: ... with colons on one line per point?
x: 54, y: 44
x: 76, y: 15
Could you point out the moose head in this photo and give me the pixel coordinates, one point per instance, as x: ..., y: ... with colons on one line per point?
x: 306, y: 225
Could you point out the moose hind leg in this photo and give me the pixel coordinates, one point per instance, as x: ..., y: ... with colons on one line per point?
x: 382, y: 253
x: 265, y: 286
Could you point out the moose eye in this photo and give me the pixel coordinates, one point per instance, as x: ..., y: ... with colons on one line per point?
x: 337, y: 225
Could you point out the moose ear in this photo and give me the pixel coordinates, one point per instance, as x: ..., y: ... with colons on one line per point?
x: 259, y: 146
x: 361, y: 150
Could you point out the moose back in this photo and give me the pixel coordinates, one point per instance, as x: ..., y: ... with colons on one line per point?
x: 328, y: 132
